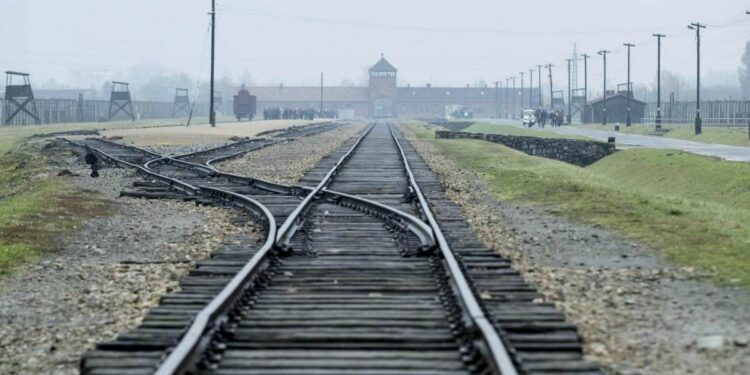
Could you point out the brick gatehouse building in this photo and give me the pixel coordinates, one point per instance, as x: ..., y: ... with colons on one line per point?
x: 383, y: 98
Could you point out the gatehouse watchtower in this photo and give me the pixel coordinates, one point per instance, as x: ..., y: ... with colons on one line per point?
x: 382, y: 91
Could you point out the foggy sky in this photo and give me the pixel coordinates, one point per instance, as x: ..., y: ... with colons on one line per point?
x: 86, y: 42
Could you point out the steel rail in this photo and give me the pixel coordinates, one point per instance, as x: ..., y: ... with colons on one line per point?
x: 185, y: 357
x: 295, y: 220
x: 188, y: 352
x: 250, y: 181
x: 174, y: 183
x: 500, y: 358
x: 120, y: 145
x: 404, y: 220
x: 226, y: 157
x: 210, y: 162
x: 214, y: 149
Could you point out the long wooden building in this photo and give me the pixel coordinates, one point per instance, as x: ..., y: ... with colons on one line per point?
x: 383, y: 98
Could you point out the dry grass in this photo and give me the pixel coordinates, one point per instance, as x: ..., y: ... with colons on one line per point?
x: 694, y: 209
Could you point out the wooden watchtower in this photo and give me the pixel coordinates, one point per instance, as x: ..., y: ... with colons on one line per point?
x: 181, y: 104
x: 19, y: 99
x: 120, y: 100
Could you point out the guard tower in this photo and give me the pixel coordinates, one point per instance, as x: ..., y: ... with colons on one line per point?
x: 120, y: 100
x: 558, y: 101
x: 181, y: 104
x: 382, y: 91
x: 218, y: 102
x: 578, y: 103
x: 19, y: 99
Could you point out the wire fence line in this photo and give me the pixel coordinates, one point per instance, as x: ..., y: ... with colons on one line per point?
x: 55, y: 111
x: 722, y: 113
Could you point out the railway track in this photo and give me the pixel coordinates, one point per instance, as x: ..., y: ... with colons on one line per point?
x: 358, y: 277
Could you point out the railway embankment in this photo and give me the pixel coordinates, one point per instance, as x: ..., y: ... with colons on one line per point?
x: 629, y: 247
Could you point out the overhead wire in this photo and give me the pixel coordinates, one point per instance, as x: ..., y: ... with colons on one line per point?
x: 244, y: 10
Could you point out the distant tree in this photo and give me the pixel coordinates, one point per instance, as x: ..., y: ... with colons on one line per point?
x: 744, y: 72
x: 481, y: 83
x: 247, y: 79
x: 106, y: 90
x: 670, y: 83
x: 53, y: 85
x: 162, y: 87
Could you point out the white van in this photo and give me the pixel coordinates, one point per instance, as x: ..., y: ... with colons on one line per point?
x: 529, y: 118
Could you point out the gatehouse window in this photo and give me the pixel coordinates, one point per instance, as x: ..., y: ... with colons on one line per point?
x: 382, y: 74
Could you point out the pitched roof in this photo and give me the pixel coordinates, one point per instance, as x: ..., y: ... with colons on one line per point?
x: 383, y: 66
x: 308, y: 93
x: 445, y: 94
x: 618, y: 95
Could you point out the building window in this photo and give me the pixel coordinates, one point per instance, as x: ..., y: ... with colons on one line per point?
x: 382, y: 74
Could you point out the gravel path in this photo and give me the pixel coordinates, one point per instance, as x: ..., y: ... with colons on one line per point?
x: 103, y: 278
x: 637, y: 313
x: 285, y: 163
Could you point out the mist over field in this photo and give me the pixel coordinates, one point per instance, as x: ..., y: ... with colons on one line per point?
x: 158, y: 45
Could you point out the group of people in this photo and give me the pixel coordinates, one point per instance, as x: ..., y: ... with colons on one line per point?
x: 295, y: 114
x: 288, y: 114
x: 555, y: 118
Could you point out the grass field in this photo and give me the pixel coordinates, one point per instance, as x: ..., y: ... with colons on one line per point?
x: 694, y: 209
x: 725, y: 136
x: 36, y: 206
x: 509, y: 129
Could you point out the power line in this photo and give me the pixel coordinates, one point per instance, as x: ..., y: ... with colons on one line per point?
x: 242, y: 10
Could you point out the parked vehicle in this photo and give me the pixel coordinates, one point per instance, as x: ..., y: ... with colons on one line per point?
x: 528, y: 118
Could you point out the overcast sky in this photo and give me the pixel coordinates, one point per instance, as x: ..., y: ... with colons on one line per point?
x: 84, y: 42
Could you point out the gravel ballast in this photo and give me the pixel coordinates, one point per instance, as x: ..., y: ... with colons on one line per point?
x: 103, y: 278
x: 285, y: 163
x: 637, y: 313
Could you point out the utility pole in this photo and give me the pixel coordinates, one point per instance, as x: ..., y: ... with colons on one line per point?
x: 500, y: 99
x: 604, y: 53
x: 539, y: 78
x: 531, y: 88
x: 628, y: 120
x: 585, y: 86
x: 522, y: 73
x: 321, y: 94
x: 497, y: 100
x: 507, y: 102
x: 570, y: 98
x: 698, y: 122
x: 549, y: 69
x: 211, y: 113
x: 658, y: 79
x: 513, y: 110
